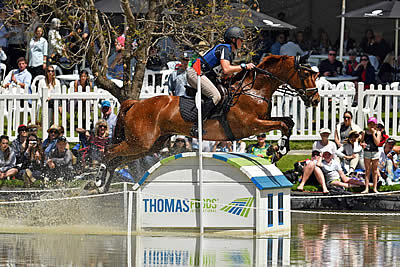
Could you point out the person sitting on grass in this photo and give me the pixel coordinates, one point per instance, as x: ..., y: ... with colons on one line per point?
x: 311, y: 170
x: 349, y: 153
x: 32, y: 160
x: 388, y: 161
x: 332, y: 171
x: 7, y: 159
x: 59, y: 161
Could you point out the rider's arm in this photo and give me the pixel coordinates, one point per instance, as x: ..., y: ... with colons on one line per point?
x: 227, y: 68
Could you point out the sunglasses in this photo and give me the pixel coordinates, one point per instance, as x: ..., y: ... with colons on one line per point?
x: 50, y: 70
x: 332, y: 54
x: 103, y: 127
x: 180, y: 140
x: 22, y: 130
x: 347, y: 118
x: 53, y: 132
x: 364, y: 59
x: 32, y: 130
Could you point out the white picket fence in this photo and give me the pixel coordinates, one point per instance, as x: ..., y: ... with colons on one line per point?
x: 380, y: 101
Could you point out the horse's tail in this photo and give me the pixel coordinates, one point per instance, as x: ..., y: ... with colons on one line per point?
x: 119, y: 130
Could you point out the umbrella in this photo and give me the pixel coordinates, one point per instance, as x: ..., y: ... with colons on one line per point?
x: 114, y: 6
x: 381, y: 10
x: 250, y: 18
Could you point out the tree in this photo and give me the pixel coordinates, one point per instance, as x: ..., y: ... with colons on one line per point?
x: 187, y: 21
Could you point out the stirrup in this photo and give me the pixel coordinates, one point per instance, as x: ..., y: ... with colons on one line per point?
x: 100, y: 175
x: 195, y: 131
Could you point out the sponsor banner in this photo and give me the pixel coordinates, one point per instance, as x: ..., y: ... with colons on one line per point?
x: 223, y: 205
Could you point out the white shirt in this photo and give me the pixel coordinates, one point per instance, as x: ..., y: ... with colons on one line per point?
x: 331, y: 146
x: 43, y: 86
x: 291, y: 49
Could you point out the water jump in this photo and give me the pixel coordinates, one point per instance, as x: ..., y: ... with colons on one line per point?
x: 144, y: 126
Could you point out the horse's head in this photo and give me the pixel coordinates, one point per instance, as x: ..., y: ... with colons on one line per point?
x: 295, y: 76
x: 303, y: 81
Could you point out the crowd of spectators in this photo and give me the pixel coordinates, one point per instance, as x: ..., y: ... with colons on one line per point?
x: 355, y: 158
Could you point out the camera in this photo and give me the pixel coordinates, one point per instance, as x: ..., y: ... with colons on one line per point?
x: 393, y: 153
x: 33, y: 142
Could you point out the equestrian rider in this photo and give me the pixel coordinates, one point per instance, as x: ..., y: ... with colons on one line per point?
x: 214, y: 60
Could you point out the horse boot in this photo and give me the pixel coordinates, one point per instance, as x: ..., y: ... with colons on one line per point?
x: 101, y: 175
x: 206, y: 111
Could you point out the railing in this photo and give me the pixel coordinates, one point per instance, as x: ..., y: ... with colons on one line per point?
x: 18, y: 106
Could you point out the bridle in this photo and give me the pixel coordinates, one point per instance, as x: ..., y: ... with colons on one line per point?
x: 285, y: 87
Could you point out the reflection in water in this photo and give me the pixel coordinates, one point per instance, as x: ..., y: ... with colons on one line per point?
x: 316, y: 240
x: 345, y: 240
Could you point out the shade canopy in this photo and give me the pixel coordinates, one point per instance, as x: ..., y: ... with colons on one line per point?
x: 114, y: 6
x: 383, y: 10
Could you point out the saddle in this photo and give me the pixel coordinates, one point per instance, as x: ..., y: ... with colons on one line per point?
x: 188, y: 109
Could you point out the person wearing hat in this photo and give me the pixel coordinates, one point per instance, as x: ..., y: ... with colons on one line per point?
x: 59, y: 161
x: 177, y: 79
x: 332, y: 171
x: 18, y: 144
x: 180, y: 145
x: 324, y: 142
x: 109, y: 117
x: 342, y: 129
x: 50, y: 142
x: 369, y: 141
x: 349, y: 153
x: 388, y: 161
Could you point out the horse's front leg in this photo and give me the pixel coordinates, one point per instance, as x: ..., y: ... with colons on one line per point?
x: 283, y: 143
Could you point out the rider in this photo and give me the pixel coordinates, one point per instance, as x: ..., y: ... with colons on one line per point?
x: 212, y: 62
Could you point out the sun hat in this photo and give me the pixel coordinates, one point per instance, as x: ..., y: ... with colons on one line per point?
x: 327, y: 149
x: 390, y: 140
x: 354, y: 132
x: 62, y: 139
x: 325, y: 130
x: 22, y: 127
x: 53, y: 127
x: 372, y: 119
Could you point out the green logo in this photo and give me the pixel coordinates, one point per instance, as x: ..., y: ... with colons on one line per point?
x: 240, y: 206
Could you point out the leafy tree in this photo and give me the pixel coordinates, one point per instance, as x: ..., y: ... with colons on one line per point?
x: 188, y: 22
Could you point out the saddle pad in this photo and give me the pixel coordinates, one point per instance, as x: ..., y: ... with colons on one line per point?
x: 188, y: 109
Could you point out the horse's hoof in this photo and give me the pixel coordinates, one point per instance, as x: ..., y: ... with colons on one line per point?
x: 100, y: 175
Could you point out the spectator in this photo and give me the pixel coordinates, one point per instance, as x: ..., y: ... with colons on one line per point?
x: 222, y: 146
x: 18, y: 145
x: 37, y: 53
x: 351, y: 64
x: 109, y: 117
x: 367, y: 41
x: 21, y: 77
x: 83, y: 81
x: 348, y: 43
x: 343, y: 129
x: 324, y: 143
x: 50, y: 142
x: 332, y: 171
x: 380, y: 47
x: 259, y: 149
x: 349, y: 153
x: 7, y: 159
x: 322, y: 44
x: 4, y: 34
x: 52, y: 85
x: 241, y: 146
x: 305, y: 45
x: 32, y: 160
x: 370, y: 141
x: 55, y: 41
x: 177, y: 79
x: 388, y: 161
x: 365, y: 72
x: 180, y: 145
x: 16, y: 42
x: 279, y: 41
x: 116, y: 61
x: 33, y: 129
x: 263, y: 44
x: 59, y: 161
x: 388, y: 70
x: 381, y: 128
x: 207, y: 145
x: 331, y: 66
x: 95, y: 143
x: 311, y: 170
x: 291, y: 49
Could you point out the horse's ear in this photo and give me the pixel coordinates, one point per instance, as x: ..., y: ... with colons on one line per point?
x: 304, y: 58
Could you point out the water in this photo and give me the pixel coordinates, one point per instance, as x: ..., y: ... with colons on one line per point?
x: 315, y: 240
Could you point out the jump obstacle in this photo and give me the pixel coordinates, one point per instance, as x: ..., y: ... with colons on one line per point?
x: 241, y: 192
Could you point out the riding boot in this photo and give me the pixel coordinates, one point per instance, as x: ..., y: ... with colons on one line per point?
x: 206, y: 111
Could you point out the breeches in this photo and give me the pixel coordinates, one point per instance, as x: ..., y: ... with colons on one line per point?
x: 207, y: 87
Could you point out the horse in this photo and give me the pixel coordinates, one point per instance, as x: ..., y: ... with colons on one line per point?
x: 144, y: 126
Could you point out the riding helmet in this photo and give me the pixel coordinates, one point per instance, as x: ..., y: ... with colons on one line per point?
x: 233, y: 32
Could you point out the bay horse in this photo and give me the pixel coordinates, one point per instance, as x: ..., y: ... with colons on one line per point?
x: 144, y: 126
